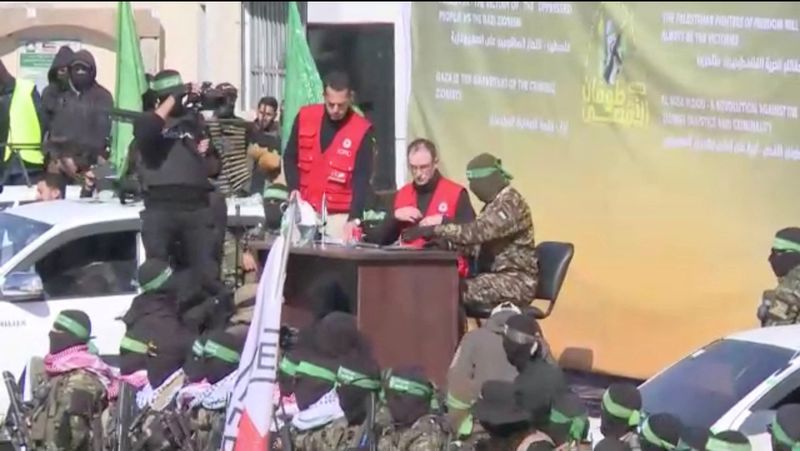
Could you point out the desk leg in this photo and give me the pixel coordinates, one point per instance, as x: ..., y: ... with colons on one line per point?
x: 410, y: 313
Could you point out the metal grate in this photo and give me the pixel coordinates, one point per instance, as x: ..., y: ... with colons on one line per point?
x: 263, y: 47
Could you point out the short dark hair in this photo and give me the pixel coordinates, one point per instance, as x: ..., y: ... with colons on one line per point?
x: 268, y: 101
x: 55, y: 180
x: 338, y: 81
x: 423, y: 143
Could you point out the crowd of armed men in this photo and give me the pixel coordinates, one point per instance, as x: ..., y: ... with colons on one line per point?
x: 186, y: 330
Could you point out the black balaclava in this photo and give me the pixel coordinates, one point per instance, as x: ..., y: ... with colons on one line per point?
x: 612, y: 444
x: 569, y: 420
x: 195, y: 365
x: 315, y: 376
x: 521, y: 340
x: 59, y: 71
x: 82, y: 79
x: 133, y: 350
x: 275, y: 201
x: 785, y: 253
x: 785, y: 428
x: 694, y: 439
x: 661, y: 431
x: 169, y: 83
x: 155, y: 276
x: 337, y: 335
x: 620, y: 410
x: 223, y: 351
x: 170, y: 346
x: 408, y: 395
x: 228, y: 106
x: 486, y: 177
x: 287, y: 372
x: 326, y: 295
x: 729, y: 440
x: 71, y: 328
x: 358, y: 376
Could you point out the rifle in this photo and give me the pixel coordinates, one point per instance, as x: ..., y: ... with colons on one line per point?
x: 124, y: 411
x: 16, y: 422
x: 285, y: 431
x: 180, y: 432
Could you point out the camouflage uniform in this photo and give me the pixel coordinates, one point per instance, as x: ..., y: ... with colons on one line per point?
x: 67, y: 415
x: 504, y: 231
x: 335, y: 435
x: 782, y: 305
x: 207, y: 428
x: 426, y: 434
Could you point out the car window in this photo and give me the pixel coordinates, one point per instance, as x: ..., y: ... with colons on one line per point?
x: 704, y: 386
x: 96, y: 265
x: 16, y: 232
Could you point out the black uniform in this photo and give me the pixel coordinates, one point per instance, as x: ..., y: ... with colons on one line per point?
x: 176, y: 195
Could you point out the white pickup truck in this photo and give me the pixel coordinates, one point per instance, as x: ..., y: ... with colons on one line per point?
x: 47, y: 245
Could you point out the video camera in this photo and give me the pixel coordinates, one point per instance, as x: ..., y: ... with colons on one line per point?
x: 208, y: 99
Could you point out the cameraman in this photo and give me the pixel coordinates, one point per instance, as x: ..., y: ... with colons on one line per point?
x: 174, y: 174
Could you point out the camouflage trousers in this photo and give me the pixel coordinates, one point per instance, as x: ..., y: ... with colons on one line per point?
x: 495, y: 288
x: 335, y: 435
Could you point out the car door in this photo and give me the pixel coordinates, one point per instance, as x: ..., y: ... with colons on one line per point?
x: 91, y: 268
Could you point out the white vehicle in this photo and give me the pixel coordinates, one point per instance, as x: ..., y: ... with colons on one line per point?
x: 14, y: 195
x: 48, y: 246
x: 735, y: 383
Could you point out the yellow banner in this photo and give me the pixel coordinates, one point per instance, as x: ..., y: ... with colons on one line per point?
x: 661, y: 139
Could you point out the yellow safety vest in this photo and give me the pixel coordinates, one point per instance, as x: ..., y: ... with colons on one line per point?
x: 24, y: 127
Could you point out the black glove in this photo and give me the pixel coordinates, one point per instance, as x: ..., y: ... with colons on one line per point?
x: 418, y: 232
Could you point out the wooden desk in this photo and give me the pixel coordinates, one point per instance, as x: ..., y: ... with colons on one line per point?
x: 406, y: 301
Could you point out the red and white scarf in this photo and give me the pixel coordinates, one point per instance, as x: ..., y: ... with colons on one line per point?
x: 137, y: 379
x: 79, y: 358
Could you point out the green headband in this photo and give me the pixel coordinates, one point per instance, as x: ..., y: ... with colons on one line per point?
x: 409, y: 387
x: 456, y: 404
x: 372, y: 215
x: 347, y: 376
x: 780, y: 244
x: 135, y: 346
x: 715, y: 444
x: 288, y: 367
x: 309, y: 369
x: 479, y: 173
x: 73, y: 326
x: 197, y: 348
x: 276, y: 194
x: 782, y: 437
x: 621, y: 412
x: 683, y: 446
x: 159, y: 281
x: 577, y: 425
x: 653, y: 439
x: 166, y: 83
x: 223, y: 353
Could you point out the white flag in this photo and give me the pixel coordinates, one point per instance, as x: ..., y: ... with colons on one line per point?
x: 250, y: 409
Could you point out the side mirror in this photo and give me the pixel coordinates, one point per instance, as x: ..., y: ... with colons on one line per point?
x: 22, y: 286
x: 757, y: 422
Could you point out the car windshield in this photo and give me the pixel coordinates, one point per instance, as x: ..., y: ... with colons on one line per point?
x: 705, y: 385
x: 17, y: 232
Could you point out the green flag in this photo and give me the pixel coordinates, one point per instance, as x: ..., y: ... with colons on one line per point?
x: 131, y: 83
x: 303, y: 85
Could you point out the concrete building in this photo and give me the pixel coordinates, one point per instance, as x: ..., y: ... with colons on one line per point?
x: 238, y: 42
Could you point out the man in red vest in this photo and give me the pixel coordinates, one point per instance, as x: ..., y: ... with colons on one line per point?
x: 329, y: 154
x: 430, y: 199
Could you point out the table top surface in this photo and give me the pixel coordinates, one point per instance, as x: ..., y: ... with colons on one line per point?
x: 360, y: 252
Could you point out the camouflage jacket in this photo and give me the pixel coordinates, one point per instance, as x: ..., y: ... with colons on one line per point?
x: 504, y: 231
x: 207, y: 428
x: 67, y: 413
x: 783, y: 303
x: 426, y: 434
x: 335, y: 435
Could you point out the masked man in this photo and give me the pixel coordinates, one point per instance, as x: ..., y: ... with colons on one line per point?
x: 782, y: 305
x: 504, y: 233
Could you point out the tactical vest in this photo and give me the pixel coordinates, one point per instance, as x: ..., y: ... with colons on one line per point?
x: 444, y: 202
x: 208, y: 427
x: 328, y: 174
x: 67, y: 414
x: 781, y: 306
x: 231, y: 142
x: 426, y: 433
x: 182, y: 166
x: 24, y: 125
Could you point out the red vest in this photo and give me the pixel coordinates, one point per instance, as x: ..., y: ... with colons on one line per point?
x: 329, y: 173
x: 444, y: 202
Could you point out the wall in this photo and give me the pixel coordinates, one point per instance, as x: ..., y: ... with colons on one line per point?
x: 181, y: 23
x: 398, y: 13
